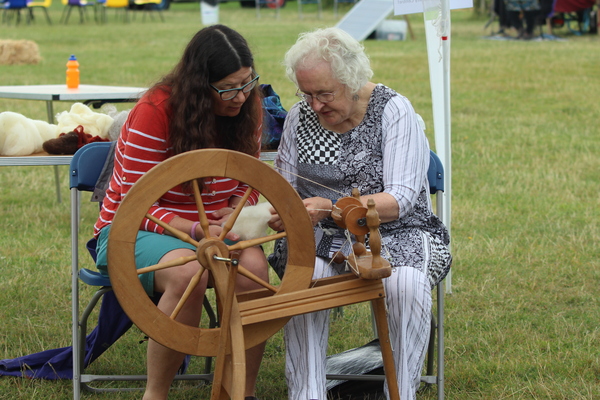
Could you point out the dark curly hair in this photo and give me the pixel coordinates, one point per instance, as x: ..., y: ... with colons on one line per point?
x: 213, y: 53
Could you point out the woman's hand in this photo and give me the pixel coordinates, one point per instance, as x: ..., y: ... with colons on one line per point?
x: 215, y: 231
x: 318, y: 208
x: 275, y: 222
x: 221, y: 216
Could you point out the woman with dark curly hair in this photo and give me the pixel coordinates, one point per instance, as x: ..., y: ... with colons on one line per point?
x: 209, y: 100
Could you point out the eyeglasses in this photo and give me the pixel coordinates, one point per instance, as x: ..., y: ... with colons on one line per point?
x: 322, y: 97
x: 228, y: 94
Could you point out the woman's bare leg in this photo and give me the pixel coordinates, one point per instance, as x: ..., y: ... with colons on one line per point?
x: 162, y: 362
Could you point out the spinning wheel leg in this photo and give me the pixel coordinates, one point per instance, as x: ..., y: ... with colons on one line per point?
x: 232, y: 335
x: 386, y: 347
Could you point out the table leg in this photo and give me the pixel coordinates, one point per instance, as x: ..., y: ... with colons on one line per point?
x: 50, y: 111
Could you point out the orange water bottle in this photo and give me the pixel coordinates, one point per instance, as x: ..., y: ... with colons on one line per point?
x: 72, y: 72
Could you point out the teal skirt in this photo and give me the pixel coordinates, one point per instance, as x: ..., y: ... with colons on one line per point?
x: 150, y: 247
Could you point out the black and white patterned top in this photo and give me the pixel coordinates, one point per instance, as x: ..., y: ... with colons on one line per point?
x: 387, y: 152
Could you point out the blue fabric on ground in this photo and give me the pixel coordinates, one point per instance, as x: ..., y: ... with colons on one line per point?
x: 58, y: 363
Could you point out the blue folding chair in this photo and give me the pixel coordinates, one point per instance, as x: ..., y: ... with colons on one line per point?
x: 86, y: 167
x: 12, y: 8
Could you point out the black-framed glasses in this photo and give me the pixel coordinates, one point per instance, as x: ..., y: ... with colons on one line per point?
x: 322, y: 97
x: 228, y: 94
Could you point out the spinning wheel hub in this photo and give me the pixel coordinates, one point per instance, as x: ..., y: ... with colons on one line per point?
x: 203, y: 255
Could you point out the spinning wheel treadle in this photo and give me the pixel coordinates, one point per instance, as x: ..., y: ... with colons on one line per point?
x: 250, y: 318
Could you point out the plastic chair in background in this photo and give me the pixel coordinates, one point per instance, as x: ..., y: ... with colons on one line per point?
x: 149, y: 7
x: 44, y: 5
x: 317, y: 2
x: 12, y: 8
x: 118, y: 5
x: 86, y: 167
x: 432, y: 375
x: 81, y: 6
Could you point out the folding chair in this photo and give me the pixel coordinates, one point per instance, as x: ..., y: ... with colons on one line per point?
x: 149, y: 7
x: 435, y: 175
x: 117, y: 5
x: 86, y: 167
x: 13, y: 8
x: 44, y: 5
x: 81, y: 5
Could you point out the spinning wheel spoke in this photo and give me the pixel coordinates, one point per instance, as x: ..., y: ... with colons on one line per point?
x: 173, y: 231
x: 168, y: 264
x: 248, y: 274
x: 200, y: 206
x: 231, y: 220
x: 244, y: 244
x: 188, y: 291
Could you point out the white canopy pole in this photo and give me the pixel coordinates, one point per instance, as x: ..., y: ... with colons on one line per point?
x: 437, y: 30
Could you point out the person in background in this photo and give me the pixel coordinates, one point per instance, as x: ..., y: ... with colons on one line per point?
x: 347, y: 132
x: 209, y: 100
x: 524, y: 16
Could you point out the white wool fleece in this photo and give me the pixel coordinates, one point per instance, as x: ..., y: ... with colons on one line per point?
x: 252, y: 223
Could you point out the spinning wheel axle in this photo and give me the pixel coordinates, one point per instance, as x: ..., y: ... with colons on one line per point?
x: 233, y: 261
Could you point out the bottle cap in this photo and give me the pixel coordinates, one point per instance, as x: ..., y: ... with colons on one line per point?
x: 72, y: 57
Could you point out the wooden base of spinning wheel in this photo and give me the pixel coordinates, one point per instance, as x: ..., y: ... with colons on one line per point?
x: 250, y: 318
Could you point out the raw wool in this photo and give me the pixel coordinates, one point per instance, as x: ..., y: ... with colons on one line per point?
x: 252, y: 223
x: 95, y: 124
x: 15, y: 52
x: 21, y: 136
x: 47, y: 131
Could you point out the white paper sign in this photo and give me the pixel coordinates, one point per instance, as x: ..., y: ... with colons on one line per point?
x: 404, y: 7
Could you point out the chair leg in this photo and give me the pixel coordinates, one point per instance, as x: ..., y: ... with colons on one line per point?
x: 213, y: 323
x: 47, y: 16
x: 66, y: 21
x: 62, y: 16
x: 440, y: 337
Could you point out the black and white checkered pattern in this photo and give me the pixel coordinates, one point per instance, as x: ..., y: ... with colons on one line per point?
x: 316, y: 145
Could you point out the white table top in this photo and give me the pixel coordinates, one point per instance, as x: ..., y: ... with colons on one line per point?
x: 62, y: 93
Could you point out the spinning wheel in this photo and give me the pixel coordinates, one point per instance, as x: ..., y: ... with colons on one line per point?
x: 247, y: 319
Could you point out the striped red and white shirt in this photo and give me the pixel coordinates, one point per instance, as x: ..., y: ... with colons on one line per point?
x: 142, y: 144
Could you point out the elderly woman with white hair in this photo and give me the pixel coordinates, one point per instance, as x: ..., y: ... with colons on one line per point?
x: 345, y: 133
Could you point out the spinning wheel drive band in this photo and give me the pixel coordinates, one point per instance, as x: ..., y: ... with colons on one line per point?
x: 188, y: 167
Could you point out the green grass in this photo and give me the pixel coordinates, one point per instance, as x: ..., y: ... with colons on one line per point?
x: 522, y: 319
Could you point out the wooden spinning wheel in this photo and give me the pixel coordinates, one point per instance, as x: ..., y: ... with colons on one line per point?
x: 247, y: 319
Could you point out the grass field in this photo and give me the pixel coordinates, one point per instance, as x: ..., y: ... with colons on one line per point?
x: 522, y: 321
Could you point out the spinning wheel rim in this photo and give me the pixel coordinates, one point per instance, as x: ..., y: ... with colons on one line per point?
x: 168, y: 174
